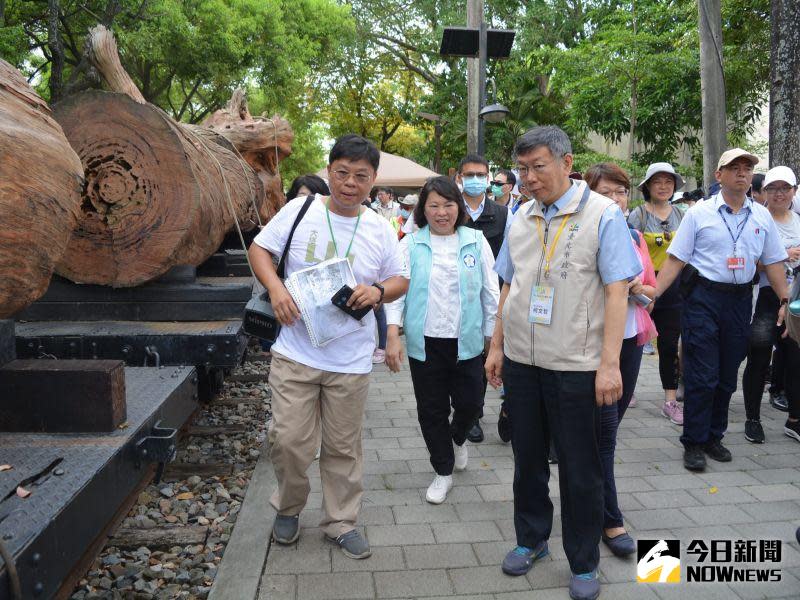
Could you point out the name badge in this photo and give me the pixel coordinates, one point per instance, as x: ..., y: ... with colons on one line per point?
x: 735, y: 263
x: 541, y: 304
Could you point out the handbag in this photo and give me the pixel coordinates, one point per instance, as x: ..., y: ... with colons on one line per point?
x: 259, y: 318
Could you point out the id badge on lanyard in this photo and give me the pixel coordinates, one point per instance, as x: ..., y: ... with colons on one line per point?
x: 541, y: 304
x: 735, y: 262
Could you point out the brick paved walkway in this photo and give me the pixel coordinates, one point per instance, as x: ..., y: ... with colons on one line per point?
x: 454, y: 550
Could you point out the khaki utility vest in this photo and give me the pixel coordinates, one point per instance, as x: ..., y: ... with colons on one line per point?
x: 574, y: 338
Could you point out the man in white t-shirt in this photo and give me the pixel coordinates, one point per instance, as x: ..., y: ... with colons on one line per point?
x: 321, y: 392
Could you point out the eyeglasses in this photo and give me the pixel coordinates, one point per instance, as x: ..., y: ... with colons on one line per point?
x: 785, y: 190
x: 474, y: 174
x: 619, y: 192
x: 343, y: 176
x: 495, y: 182
x: 538, y: 169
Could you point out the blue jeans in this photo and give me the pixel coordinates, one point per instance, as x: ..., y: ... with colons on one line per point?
x: 630, y: 359
x: 380, y: 317
x: 715, y: 328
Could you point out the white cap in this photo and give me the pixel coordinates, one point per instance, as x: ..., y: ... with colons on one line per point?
x: 410, y: 200
x: 731, y: 155
x: 662, y: 167
x: 784, y: 174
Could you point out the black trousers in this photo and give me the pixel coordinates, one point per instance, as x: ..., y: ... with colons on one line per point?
x: 667, y: 317
x: 560, y: 405
x: 764, y: 334
x: 442, y: 381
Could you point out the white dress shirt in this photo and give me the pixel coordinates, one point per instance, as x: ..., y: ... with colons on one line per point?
x: 443, y: 318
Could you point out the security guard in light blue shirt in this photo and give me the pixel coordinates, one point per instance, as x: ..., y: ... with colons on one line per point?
x: 716, y: 250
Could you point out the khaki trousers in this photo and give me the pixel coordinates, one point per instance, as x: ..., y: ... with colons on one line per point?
x: 307, y: 404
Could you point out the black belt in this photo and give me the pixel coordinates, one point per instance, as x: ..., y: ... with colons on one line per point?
x: 728, y: 288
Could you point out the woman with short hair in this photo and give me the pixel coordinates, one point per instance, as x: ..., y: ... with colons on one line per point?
x: 448, y: 316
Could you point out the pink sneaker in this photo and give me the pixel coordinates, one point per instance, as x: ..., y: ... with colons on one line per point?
x: 673, y: 411
x: 379, y: 356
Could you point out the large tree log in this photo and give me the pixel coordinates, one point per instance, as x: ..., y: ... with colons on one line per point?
x: 263, y: 142
x: 40, y: 184
x: 157, y: 194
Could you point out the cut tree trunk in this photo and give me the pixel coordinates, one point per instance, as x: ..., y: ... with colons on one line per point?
x: 158, y: 193
x: 40, y: 186
x: 262, y: 141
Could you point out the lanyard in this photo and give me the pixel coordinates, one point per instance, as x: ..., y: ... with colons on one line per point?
x: 333, y: 238
x: 739, y: 229
x: 548, y: 254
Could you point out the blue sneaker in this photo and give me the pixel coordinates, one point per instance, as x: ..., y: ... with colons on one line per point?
x: 520, y: 560
x: 585, y: 586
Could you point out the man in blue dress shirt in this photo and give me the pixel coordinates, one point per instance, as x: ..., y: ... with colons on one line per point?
x: 721, y: 240
x: 565, y: 263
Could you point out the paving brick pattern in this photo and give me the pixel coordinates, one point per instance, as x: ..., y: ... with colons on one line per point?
x: 454, y: 550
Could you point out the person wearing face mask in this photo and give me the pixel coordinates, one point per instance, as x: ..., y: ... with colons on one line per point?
x: 502, y: 184
x: 448, y: 314
x: 485, y: 215
x: 407, y: 205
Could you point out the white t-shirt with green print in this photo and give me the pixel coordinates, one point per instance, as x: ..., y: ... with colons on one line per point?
x: 374, y: 256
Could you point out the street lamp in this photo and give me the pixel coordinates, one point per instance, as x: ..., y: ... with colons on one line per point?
x: 481, y: 43
x: 493, y: 113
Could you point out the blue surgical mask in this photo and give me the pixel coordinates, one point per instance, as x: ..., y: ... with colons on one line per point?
x: 497, y: 191
x: 405, y: 213
x: 474, y: 186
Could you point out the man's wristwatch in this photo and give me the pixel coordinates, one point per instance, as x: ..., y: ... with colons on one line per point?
x: 380, y: 289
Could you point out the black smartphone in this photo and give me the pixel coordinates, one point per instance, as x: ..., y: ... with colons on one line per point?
x: 340, y: 299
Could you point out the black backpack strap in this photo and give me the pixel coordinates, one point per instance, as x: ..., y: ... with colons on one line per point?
x: 303, y: 209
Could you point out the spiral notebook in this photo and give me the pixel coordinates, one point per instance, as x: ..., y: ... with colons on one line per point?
x: 312, y: 289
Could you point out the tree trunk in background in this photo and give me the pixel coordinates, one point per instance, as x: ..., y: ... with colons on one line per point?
x: 56, y: 47
x: 40, y: 192
x: 784, y: 102
x: 712, y: 87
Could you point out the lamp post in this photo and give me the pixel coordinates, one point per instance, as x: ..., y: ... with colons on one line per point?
x: 483, y: 43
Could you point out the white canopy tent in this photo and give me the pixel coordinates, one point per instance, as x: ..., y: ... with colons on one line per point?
x: 396, y: 171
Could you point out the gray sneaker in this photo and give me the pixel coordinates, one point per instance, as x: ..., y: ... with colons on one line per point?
x: 286, y: 529
x: 585, y: 586
x: 520, y: 560
x: 353, y: 545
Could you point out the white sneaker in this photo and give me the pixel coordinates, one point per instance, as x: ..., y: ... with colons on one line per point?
x: 461, y: 455
x: 437, y: 490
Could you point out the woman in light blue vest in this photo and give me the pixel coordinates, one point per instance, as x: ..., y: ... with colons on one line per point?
x: 448, y: 316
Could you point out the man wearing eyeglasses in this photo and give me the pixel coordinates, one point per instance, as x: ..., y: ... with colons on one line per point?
x: 320, y: 392
x: 716, y: 250
x: 566, y: 263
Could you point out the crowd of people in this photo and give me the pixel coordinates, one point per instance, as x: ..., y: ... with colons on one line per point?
x: 544, y: 283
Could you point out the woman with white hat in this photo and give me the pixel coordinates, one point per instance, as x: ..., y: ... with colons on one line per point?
x: 780, y: 186
x: 658, y: 221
